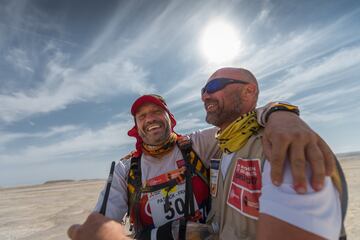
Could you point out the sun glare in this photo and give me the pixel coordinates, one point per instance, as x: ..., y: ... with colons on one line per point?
x: 220, y: 42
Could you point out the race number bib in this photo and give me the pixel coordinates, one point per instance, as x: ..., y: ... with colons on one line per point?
x: 214, y: 175
x: 176, y: 208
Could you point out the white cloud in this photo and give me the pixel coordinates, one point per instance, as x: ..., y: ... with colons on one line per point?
x: 85, y: 144
x: 323, y: 117
x: 64, y: 85
x: 19, y: 59
x: 185, y: 125
x: 263, y: 18
x: 326, y: 71
x: 328, y: 99
x: 8, y: 137
x: 286, y: 50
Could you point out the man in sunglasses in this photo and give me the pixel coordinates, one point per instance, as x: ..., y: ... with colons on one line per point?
x: 159, y: 160
x: 242, y: 173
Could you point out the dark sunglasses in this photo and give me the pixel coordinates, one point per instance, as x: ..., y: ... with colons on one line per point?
x: 218, y: 84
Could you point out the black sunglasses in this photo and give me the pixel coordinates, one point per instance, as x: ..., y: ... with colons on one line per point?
x: 218, y: 84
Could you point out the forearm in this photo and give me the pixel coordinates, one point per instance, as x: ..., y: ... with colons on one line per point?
x: 270, y: 228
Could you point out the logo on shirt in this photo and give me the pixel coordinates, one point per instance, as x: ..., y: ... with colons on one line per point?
x: 245, y: 188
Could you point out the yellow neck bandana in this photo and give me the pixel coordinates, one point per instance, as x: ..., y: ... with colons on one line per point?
x: 161, y: 150
x: 235, y: 136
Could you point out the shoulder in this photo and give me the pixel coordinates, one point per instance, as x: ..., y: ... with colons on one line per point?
x: 210, y: 131
x: 122, y: 168
x: 204, y: 137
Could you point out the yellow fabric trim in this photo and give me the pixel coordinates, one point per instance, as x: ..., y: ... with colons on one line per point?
x: 286, y: 105
x: 237, y: 133
x: 335, y: 177
x: 131, y: 188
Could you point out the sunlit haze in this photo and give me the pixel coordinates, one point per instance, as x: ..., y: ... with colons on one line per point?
x: 220, y: 41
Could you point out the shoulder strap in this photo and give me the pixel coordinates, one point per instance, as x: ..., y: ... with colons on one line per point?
x: 135, y: 189
x: 134, y: 192
x: 343, y: 191
x: 185, y: 146
x: 193, y: 165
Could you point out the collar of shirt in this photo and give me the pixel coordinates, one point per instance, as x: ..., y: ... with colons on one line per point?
x: 225, y: 163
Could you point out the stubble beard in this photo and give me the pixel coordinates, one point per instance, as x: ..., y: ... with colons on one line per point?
x: 225, y: 116
x: 159, y: 138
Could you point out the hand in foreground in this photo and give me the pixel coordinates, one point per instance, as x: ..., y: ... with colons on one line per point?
x: 288, y: 137
x: 97, y: 227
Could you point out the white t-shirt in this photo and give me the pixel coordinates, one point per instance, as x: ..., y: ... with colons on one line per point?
x: 203, y: 143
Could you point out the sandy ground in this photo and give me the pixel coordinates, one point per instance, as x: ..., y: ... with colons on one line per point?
x: 44, y: 212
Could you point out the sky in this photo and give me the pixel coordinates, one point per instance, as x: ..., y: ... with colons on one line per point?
x: 70, y: 70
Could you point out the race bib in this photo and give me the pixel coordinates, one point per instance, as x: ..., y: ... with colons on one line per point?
x: 245, y: 188
x: 160, y: 211
x: 176, y: 209
x: 214, y: 175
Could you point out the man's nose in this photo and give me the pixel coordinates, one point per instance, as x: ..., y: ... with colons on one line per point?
x: 205, y: 96
x: 150, y: 118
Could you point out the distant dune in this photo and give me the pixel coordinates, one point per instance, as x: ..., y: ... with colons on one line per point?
x: 70, y: 180
x: 59, y: 181
x: 348, y: 156
x: 44, y: 212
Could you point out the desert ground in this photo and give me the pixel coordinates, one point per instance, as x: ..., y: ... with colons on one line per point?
x: 44, y: 212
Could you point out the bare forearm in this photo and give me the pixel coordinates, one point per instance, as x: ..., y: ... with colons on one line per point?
x: 270, y: 228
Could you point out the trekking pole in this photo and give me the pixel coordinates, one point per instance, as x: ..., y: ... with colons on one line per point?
x: 107, y: 191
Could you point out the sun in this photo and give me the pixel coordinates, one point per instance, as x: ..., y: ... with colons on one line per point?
x: 220, y: 42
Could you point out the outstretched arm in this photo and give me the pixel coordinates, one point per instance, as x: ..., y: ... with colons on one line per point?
x: 97, y: 227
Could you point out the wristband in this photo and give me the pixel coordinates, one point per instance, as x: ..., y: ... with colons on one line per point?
x: 280, y: 106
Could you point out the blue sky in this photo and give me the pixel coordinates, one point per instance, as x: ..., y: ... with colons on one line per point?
x: 69, y: 71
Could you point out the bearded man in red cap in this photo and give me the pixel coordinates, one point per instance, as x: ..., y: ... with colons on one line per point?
x: 165, y: 183
x: 163, y: 172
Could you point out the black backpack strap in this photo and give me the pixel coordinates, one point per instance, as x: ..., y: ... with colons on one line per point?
x: 134, y: 195
x: 186, y: 149
x: 344, y: 199
x: 134, y: 191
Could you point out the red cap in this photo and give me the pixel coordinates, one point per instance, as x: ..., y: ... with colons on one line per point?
x: 154, y: 99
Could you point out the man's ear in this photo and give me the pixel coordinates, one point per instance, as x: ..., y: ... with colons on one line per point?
x: 250, y: 90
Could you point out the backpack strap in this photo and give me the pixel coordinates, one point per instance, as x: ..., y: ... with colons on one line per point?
x: 185, y: 146
x: 193, y: 166
x: 135, y: 189
x: 134, y: 193
x: 344, y: 197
